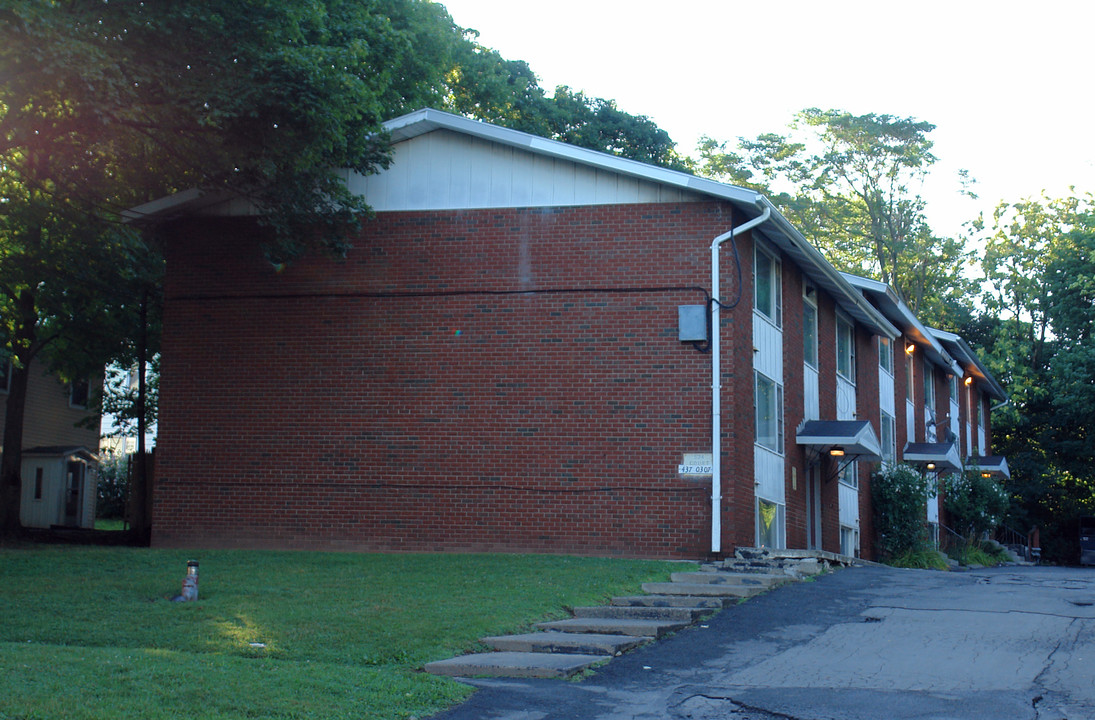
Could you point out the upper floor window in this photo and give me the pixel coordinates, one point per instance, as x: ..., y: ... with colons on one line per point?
x: 909, y: 384
x: 768, y: 291
x: 980, y: 410
x: 885, y: 354
x: 809, y: 326
x: 929, y: 387
x: 768, y: 406
x: 78, y: 393
x: 888, y: 438
x: 953, y: 387
x: 845, y: 349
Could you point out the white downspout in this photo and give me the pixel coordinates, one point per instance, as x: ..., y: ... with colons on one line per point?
x: 716, y: 380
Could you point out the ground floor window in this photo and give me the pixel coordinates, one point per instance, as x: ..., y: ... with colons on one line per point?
x: 849, y: 474
x: 849, y: 541
x: 770, y: 520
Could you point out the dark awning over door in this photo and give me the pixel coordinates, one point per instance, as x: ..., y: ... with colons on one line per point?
x: 934, y: 456
x: 855, y: 437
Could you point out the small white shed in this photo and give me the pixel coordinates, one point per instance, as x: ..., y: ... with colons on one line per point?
x: 59, y: 487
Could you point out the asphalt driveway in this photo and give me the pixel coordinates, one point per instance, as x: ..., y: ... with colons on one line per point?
x: 858, y: 644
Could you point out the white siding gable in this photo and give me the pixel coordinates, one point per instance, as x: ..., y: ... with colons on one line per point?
x: 444, y: 170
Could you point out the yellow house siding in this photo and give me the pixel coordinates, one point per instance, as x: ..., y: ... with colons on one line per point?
x: 49, y: 420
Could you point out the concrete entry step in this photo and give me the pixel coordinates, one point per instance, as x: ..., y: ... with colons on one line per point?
x: 615, y: 626
x: 514, y: 664
x: 642, y: 612
x: 729, y: 578
x: 704, y: 589
x: 711, y: 604
x: 564, y: 642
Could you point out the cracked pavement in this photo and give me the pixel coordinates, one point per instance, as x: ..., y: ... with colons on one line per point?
x: 869, y: 643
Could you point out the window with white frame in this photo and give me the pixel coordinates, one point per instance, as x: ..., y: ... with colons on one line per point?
x: 770, y: 521
x: 888, y: 438
x: 909, y: 384
x: 809, y: 326
x: 849, y: 474
x: 849, y: 541
x: 767, y: 287
x: 953, y: 387
x: 929, y: 389
x: 768, y: 406
x: 980, y: 410
x: 885, y: 354
x: 845, y: 349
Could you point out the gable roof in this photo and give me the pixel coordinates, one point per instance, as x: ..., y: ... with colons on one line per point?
x: 896, y: 311
x: 777, y: 230
x: 972, y: 364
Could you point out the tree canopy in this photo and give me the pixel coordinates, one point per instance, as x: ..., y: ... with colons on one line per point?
x: 1036, y: 336
x: 106, y: 105
x: 851, y: 184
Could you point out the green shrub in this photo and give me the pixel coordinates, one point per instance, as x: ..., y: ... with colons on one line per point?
x: 113, y: 488
x: 900, y: 494
x: 976, y: 504
x: 924, y: 558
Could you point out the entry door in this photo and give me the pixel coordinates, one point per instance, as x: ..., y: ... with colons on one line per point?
x: 813, y: 507
x: 74, y: 493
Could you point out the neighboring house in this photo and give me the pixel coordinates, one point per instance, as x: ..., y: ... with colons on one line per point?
x: 59, y: 457
x: 517, y: 355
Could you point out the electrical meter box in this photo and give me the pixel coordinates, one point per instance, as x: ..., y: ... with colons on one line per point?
x: 692, y: 323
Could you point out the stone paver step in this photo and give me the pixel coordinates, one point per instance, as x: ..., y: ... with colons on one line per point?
x: 729, y: 578
x: 704, y: 589
x: 615, y: 626
x: 514, y: 664
x: 709, y: 604
x: 631, y: 612
x: 565, y: 642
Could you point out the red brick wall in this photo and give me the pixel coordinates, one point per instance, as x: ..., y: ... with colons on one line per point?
x: 300, y: 410
x: 826, y: 347
x: 796, y: 477
x: 903, y: 433
x: 867, y: 408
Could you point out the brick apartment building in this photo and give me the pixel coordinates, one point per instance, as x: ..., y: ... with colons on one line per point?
x: 517, y: 355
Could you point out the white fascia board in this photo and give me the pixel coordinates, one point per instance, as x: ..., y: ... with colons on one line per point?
x: 167, y: 204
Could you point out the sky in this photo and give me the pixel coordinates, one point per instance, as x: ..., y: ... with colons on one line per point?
x: 1008, y: 85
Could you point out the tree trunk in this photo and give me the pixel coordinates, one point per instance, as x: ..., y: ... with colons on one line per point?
x: 140, y: 522
x: 24, y: 348
x: 11, y: 486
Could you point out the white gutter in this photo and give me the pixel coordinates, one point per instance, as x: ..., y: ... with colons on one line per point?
x: 716, y: 380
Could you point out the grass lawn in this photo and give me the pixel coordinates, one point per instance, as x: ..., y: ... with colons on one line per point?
x: 89, y: 632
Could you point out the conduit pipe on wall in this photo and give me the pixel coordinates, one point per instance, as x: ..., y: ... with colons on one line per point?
x: 716, y: 377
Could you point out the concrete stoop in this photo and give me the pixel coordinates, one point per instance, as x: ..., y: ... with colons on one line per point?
x: 595, y: 634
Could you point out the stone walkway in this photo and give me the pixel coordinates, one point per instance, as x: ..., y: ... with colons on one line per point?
x: 594, y: 635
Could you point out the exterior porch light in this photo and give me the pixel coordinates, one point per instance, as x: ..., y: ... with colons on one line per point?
x: 836, y: 451
x: 930, y: 466
x: 969, y: 381
x: 909, y: 348
x: 986, y: 474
